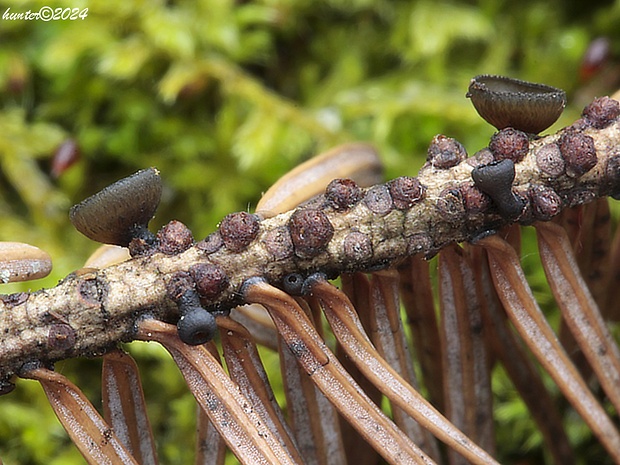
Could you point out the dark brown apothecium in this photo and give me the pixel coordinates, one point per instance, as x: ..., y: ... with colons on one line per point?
x: 120, y: 212
x: 505, y: 102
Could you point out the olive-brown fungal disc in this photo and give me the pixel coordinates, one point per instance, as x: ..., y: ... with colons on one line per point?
x: 121, y: 211
x: 579, y: 153
x: 505, y: 102
x: 238, y: 230
x: 310, y: 231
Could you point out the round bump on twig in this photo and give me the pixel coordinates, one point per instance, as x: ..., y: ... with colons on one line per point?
x: 406, y: 191
x: 496, y: 180
x: 238, y: 230
x: 474, y: 200
x: 120, y: 212
x: 61, y: 336
x: 445, y: 152
x: 510, y: 144
x: 602, y: 112
x: 212, y: 243
x: 278, y: 243
x: 357, y: 247
x: 546, y: 203
x: 505, y: 102
x: 549, y: 160
x: 310, y: 232
x: 378, y: 200
x: 211, y: 280
x: 174, y: 238
x: 579, y: 153
x: 343, y: 194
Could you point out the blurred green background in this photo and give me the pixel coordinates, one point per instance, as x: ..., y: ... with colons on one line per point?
x: 224, y: 97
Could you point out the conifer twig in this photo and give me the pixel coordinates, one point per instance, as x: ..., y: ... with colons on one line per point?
x: 347, y: 229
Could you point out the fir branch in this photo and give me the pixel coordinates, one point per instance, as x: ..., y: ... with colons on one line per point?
x: 347, y: 229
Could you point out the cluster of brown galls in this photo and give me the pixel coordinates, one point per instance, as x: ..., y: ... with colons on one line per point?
x: 309, y: 230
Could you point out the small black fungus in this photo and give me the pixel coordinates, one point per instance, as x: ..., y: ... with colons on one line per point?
x: 196, y: 326
x: 120, y: 212
x: 496, y: 180
x: 505, y: 102
x: 293, y: 284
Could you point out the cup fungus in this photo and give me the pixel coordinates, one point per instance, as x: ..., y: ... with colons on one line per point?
x: 506, y: 102
x: 120, y: 212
